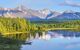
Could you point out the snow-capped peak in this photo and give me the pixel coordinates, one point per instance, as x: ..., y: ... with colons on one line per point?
x: 69, y: 11
x: 45, y: 11
x: 21, y: 8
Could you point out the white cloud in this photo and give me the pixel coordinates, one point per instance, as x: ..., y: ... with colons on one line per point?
x: 70, y: 3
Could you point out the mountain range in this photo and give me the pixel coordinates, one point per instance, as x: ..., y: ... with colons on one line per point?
x: 34, y: 15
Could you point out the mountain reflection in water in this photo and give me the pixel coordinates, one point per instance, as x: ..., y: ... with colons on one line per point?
x: 59, y: 34
x: 15, y: 41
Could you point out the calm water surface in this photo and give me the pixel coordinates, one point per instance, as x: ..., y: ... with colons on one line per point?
x: 55, y: 40
x: 49, y: 40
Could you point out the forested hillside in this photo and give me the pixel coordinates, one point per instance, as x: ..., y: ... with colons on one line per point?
x: 13, y: 24
x: 10, y: 25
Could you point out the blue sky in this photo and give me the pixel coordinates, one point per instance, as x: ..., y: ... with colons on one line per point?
x: 56, y: 5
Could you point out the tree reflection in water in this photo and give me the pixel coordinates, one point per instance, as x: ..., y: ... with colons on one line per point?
x: 14, y: 41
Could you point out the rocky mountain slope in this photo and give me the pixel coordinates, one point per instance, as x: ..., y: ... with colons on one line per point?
x: 30, y: 14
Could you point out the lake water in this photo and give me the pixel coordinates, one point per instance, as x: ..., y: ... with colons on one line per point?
x: 49, y: 40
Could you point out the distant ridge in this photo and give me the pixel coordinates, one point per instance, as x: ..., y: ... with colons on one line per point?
x: 30, y: 14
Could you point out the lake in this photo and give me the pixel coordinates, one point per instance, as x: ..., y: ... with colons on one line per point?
x: 48, y: 40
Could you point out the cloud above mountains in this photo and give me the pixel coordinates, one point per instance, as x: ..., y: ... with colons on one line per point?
x: 70, y: 3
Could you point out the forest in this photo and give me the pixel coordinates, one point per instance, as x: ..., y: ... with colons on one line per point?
x: 9, y: 25
x: 13, y: 25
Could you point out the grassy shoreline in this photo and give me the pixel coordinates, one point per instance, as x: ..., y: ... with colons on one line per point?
x: 42, y: 30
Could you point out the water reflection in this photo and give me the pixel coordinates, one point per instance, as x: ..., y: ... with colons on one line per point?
x: 54, y: 38
x: 64, y: 34
x: 59, y: 34
x: 9, y: 44
x: 14, y: 41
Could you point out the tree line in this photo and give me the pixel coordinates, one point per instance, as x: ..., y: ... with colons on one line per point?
x: 23, y: 25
